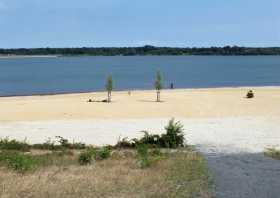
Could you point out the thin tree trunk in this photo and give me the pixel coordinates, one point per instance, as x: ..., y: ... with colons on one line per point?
x: 109, y: 96
x: 158, y: 96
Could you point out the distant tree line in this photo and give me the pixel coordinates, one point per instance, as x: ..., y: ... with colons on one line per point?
x: 146, y: 50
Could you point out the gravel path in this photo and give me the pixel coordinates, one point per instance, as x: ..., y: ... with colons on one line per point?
x: 233, y: 146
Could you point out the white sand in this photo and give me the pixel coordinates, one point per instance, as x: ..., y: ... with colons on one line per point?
x: 226, y: 135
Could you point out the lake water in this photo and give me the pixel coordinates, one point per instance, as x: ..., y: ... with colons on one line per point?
x: 28, y: 76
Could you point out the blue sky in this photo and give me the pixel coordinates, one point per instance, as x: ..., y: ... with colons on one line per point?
x: 78, y: 23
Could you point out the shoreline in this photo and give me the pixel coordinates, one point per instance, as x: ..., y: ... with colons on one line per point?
x: 140, y: 90
x: 28, y: 56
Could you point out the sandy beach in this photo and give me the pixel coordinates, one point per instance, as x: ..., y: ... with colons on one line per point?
x: 184, y: 103
x: 230, y: 130
x: 208, y: 114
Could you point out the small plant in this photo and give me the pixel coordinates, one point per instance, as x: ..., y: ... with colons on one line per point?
x: 158, y: 85
x: 174, y: 136
x: 90, y: 154
x: 7, y: 144
x: 109, y: 87
x: 103, y: 153
x: 85, y: 158
x: 143, y: 155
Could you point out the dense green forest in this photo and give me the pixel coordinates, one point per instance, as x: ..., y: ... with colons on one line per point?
x: 146, y: 50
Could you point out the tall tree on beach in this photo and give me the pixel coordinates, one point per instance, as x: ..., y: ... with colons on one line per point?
x: 158, y: 85
x: 109, y: 87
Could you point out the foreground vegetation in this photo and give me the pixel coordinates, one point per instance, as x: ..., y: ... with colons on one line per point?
x: 152, y: 166
x: 273, y: 153
x: 179, y: 174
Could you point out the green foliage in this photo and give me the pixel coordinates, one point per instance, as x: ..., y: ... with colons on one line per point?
x: 6, y: 144
x: 158, y: 85
x: 85, y: 158
x: 147, y: 158
x: 18, y: 161
x: 109, y: 87
x: 174, y: 136
x: 109, y: 83
x: 103, y: 153
x: 152, y: 140
x: 91, y: 154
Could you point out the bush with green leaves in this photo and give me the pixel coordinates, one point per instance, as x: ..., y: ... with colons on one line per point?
x: 152, y: 140
x: 18, y: 161
x: 85, y: 158
x: 103, y: 153
x: 91, y: 154
x: 174, y: 136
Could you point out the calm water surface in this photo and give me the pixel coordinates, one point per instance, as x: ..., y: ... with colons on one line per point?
x: 27, y: 76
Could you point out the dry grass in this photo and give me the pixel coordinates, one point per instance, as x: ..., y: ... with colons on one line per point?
x: 181, y: 174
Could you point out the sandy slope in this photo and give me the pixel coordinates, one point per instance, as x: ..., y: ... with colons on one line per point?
x: 192, y: 103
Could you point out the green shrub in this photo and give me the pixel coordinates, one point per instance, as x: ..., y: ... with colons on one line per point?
x: 103, y: 153
x: 85, y: 158
x: 152, y: 140
x: 174, y: 136
x: 6, y: 144
x: 18, y: 161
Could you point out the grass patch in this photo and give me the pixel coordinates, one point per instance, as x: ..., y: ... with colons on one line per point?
x: 273, y: 153
x: 177, y: 174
